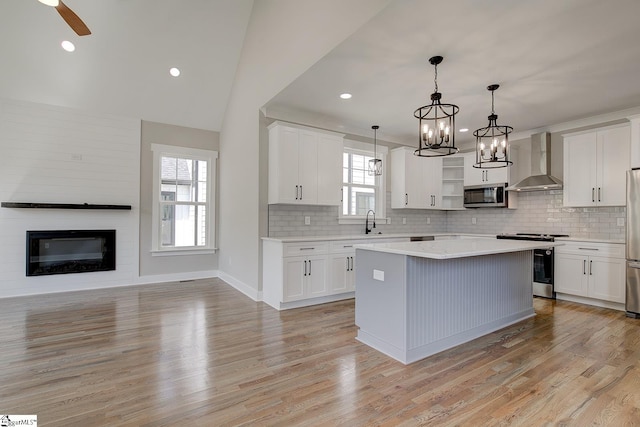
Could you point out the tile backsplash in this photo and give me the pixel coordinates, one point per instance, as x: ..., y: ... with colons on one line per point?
x: 537, y: 212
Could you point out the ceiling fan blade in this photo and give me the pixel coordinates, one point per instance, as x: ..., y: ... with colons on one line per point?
x: 73, y: 20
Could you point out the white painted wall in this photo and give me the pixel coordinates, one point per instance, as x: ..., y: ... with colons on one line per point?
x: 59, y: 155
x: 284, y: 38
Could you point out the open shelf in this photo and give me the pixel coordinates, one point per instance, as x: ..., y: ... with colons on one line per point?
x: 22, y: 205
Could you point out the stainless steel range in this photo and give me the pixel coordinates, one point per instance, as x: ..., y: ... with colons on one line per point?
x: 542, y: 262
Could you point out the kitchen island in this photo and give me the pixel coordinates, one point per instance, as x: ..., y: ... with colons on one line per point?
x: 415, y: 299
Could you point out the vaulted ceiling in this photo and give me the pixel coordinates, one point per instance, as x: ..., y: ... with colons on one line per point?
x: 555, y: 60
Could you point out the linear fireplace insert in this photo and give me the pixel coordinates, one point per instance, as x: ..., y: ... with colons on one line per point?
x: 70, y: 251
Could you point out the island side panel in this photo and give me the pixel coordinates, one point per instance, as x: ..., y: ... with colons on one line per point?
x: 453, y: 301
x: 381, y: 302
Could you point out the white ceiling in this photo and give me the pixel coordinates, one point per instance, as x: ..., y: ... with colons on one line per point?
x: 123, y: 66
x: 555, y: 61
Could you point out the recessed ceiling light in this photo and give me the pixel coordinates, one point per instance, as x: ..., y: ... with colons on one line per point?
x: 345, y: 95
x: 174, y: 72
x: 464, y: 130
x: 52, y: 3
x: 68, y: 46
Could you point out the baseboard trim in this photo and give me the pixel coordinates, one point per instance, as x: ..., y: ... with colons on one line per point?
x: 239, y: 285
x: 177, y: 277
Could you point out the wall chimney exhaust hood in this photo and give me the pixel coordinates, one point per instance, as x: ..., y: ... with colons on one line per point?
x: 539, y: 178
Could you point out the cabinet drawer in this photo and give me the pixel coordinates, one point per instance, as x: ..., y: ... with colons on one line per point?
x: 611, y: 250
x: 344, y: 246
x: 303, y: 249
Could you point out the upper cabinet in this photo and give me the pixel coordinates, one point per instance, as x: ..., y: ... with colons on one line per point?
x: 595, y: 163
x: 416, y: 182
x: 476, y: 176
x: 305, y: 165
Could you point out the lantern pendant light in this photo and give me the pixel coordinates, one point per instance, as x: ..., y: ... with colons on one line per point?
x: 492, y: 142
x: 436, y: 129
x: 375, y: 164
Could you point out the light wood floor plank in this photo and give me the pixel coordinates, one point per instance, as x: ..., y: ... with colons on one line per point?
x: 202, y: 354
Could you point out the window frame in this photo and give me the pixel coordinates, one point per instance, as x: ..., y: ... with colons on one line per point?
x: 208, y: 156
x: 364, y: 148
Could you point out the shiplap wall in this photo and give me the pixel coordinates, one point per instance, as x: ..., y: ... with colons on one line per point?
x: 60, y: 155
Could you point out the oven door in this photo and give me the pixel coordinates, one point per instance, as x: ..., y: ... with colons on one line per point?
x: 543, y: 273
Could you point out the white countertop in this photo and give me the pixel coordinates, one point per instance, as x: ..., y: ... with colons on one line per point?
x: 374, y: 237
x: 454, y: 248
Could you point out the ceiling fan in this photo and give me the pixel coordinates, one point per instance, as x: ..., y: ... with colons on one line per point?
x: 69, y: 16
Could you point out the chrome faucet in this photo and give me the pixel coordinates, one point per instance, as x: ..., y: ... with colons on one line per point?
x: 367, y: 230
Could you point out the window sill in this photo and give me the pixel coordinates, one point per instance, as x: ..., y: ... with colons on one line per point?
x: 360, y: 220
x: 186, y: 251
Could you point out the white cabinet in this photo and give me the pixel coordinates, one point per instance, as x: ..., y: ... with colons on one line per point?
x: 635, y: 141
x: 307, y: 273
x: 592, y: 270
x: 305, y: 165
x: 476, y: 176
x: 416, y: 182
x: 595, y: 163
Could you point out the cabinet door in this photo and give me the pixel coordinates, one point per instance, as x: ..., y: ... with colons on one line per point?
x: 330, y: 150
x: 607, y: 278
x: 316, y: 285
x: 497, y: 175
x: 570, y: 274
x: 295, y: 275
x: 283, y: 165
x: 580, y: 170
x: 432, y: 170
x: 613, y: 162
x: 407, y: 180
x: 472, y: 176
x: 340, y: 272
x: 308, y: 166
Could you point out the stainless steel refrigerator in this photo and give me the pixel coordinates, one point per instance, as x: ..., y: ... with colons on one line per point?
x: 633, y: 244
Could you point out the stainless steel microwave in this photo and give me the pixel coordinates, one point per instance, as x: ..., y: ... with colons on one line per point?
x: 485, y: 196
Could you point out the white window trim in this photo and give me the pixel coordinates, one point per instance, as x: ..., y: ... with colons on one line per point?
x: 160, y: 150
x: 366, y: 148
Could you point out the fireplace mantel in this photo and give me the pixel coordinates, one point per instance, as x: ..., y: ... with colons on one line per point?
x: 23, y: 205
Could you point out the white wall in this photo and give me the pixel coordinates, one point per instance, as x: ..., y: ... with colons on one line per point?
x: 59, y: 155
x: 284, y: 38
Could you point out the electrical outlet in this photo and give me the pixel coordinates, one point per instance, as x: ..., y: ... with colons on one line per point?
x: 428, y: 220
x: 307, y: 220
x: 620, y: 222
x: 404, y: 221
x: 389, y: 220
x: 473, y: 220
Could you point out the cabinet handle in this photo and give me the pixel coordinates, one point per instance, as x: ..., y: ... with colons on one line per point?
x: 584, y: 266
x: 599, y: 191
x: 309, y: 267
x: 307, y: 249
x: 301, y: 192
x: 347, y: 246
x: 347, y: 263
x: 341, y: 195
x: 593, y: 197
x: 305, y: 268
x: 590, y: 266
x: 589, y: 249
x: 297, y: 192
x: 406, y: 199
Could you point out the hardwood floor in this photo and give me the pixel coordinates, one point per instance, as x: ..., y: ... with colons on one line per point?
x: 200, y: 353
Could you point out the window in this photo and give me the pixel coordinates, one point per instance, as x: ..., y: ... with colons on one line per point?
x: 361, y: 191
x: 183, y: 199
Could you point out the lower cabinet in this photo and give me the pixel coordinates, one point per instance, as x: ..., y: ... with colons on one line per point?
x: 307, y: 273
x: 592, y: 270
x: 305, y: 277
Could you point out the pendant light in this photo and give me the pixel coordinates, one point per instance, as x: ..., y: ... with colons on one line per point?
x: 492, y: 142
x: 437, y: 128
x: 375, y: 164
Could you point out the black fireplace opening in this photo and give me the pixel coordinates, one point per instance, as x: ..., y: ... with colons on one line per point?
x: 70, y: 251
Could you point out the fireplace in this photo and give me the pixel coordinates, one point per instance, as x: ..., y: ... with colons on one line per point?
x: 70, y: 251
